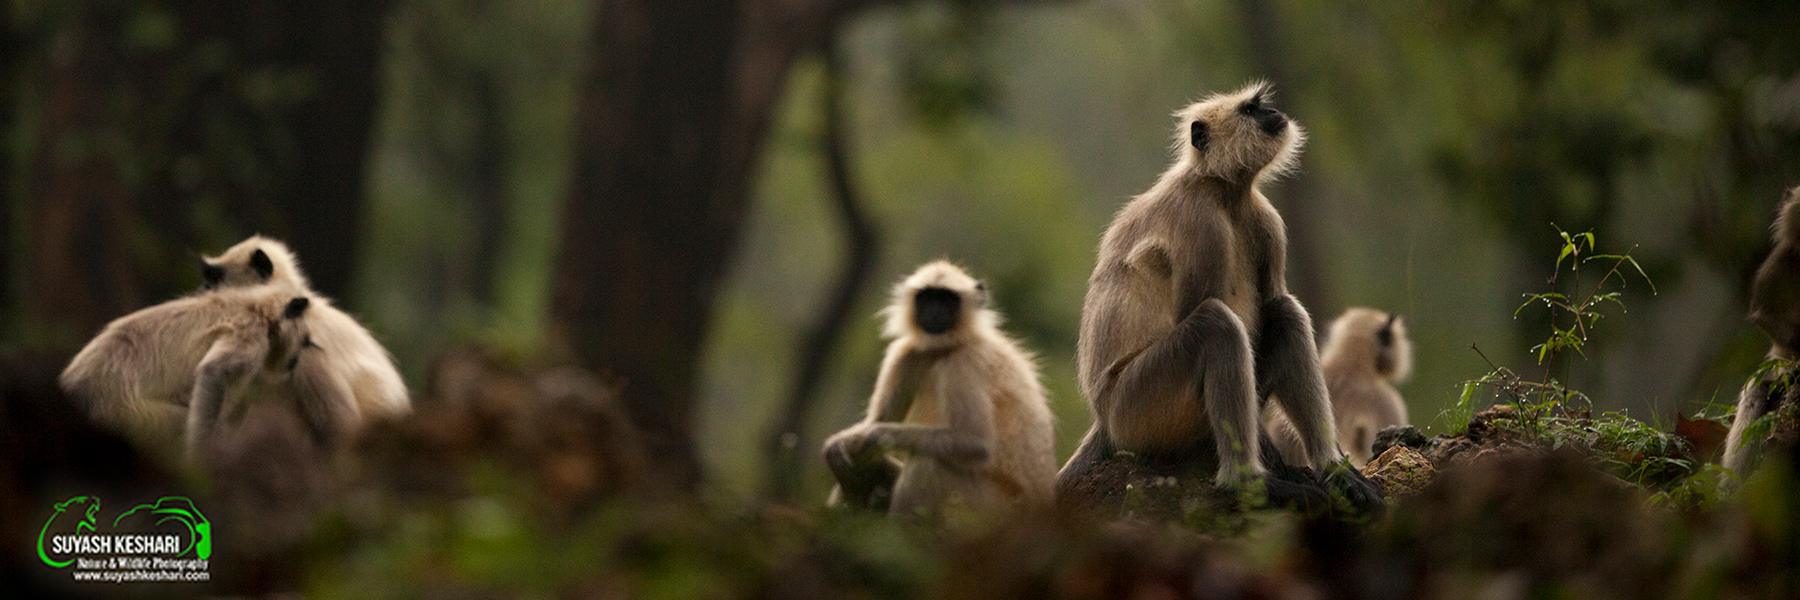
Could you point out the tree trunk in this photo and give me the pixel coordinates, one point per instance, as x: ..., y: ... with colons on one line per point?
x: 79, y: 268
x: 340, y: 41
x: 317, y: 146
x: 670, y: 120
x: 1300, y: 201
x: 782, y: 447
x: 652, y: 215
x: 11, y: 61
x: 487, y: 185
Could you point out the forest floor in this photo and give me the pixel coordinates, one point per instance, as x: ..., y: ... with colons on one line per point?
x: 508, y: 483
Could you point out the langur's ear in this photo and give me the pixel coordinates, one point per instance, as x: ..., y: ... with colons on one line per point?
x: 211, y: 275
x: 1199, y: 134
x: 261, y: 263
x: 1386, y: 334
x: 296, y: 307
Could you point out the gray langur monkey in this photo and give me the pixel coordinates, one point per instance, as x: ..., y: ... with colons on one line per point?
x: 1188, y: 325
x: 349, y: 350
x: 958, y: 418
x: 1774, y: 307
x: 1366, y: 353
x: 165, y: 375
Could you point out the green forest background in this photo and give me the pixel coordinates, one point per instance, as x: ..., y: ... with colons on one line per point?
x: 1448, y: 142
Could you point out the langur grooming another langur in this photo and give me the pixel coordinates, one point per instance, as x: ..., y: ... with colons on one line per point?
x: 352, y: 353
x: 165, y: 375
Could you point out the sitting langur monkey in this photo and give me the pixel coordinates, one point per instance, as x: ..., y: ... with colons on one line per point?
x: 1188, y: 323
x: 958, y: 418
x: 1775, y: 307
x: 1366, y: 353
x: 350, y: 351
x: 165, y: 374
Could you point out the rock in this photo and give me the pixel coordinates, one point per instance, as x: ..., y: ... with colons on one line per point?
x: 1481, y: 426
x: 1400, y: 471
x: 1404, y: 435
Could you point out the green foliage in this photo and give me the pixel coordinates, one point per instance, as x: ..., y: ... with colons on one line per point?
x: 1548, y: 414
x: 1573, y: 315
x: 1582, y: 309
x: 1708, y: 487
x: 945, y: 69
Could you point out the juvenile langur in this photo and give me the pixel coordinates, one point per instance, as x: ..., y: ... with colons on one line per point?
x: 1775, y: 307
x: 1188, y: 323
x: 165, y: 374
x: 1366, y: 353
x: 350, y: 352
x: 958, y: 417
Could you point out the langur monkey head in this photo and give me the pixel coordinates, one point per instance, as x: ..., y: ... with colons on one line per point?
x: 254, y: 261
x: 939, y: 306
x: 1237, y: 136
x: 1371, y: 339
x: 289, y: 336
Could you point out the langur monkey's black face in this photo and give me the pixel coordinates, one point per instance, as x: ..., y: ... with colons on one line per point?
x: 1257, y: 109
x: 936, y: 310
x: 938, y: 301
x: 1238, y: 134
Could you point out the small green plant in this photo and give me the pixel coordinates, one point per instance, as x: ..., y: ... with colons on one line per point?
x: 1582, y: 310
x: 1548, y: 414
x: 1573, y: 316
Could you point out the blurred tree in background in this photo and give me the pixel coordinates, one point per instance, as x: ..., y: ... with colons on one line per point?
x: 157, y: 130
x: 648, y: 187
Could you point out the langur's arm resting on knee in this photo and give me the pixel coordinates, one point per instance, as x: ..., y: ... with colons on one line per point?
x: 230, y: 360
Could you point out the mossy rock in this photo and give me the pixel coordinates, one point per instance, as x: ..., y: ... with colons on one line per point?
x: 1401, y: 472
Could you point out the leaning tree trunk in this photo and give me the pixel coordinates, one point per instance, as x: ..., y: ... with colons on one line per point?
x: 782, y: 446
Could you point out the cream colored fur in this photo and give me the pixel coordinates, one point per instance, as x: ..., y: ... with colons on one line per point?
x: 349, y: 349
x: 963, y: 410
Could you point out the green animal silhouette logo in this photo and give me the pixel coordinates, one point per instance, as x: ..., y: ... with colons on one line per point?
x: 85, y: 521
x: 180, y: 511
x: 80, y: 515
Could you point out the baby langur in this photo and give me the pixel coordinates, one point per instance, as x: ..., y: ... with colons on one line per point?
x: 1188, y: 325
x: 164, y: 375
x: 1366, y: 353
x: 349, y: 351
x: 1775, y: 307
x: 958, y: 418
